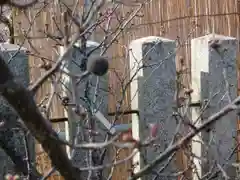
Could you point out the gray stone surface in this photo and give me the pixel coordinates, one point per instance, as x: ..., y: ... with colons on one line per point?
x: 211, y: 63
x: 155, y: 91
x: 101, y: 101
x: 10, y: 133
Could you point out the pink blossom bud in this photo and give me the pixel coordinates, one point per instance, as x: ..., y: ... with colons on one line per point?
x: 153, y: 129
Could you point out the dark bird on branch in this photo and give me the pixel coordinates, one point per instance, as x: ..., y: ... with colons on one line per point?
x: 97, y: 65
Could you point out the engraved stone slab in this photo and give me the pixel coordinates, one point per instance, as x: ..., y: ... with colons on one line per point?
x: 17, y: 60
x: 152, y: 62
x: 214, y: 81
x: 96, y: 89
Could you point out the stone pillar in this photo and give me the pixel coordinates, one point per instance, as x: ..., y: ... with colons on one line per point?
x: 214, y: 84
x: 99, y: 102
x: 17, y: 61
x: 153, y: 73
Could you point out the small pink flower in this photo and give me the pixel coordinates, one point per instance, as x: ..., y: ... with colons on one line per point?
x: 153, y: 130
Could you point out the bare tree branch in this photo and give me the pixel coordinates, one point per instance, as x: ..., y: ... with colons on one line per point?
x: 176, y: 146
x: 17, y: 159
x: 22, y: 101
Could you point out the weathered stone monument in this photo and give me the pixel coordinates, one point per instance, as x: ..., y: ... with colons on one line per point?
x: 214, y: 83
x: 91, y: 93
x: 10, y: 132
x: 153, y: 70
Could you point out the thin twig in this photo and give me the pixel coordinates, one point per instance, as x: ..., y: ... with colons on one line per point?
x: 176, y: 146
